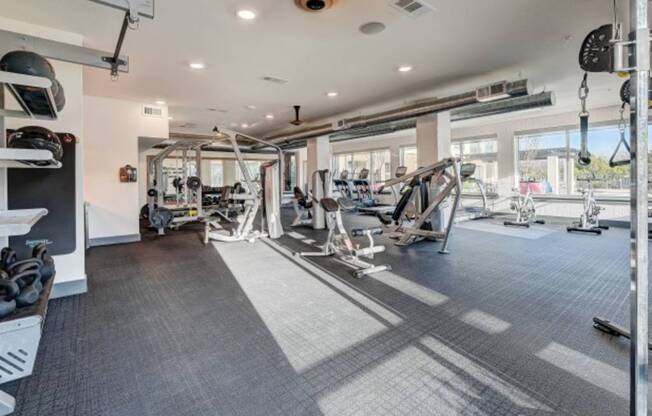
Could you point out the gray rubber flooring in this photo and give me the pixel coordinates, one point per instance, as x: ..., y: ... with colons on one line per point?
x: 501, y: 326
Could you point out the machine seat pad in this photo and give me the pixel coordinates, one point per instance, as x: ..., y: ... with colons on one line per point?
x: 329, y: 204
x: 359, y: 232
x: 346, y: 204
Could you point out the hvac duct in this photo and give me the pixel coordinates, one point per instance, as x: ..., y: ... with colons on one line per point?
x: 511, y: 89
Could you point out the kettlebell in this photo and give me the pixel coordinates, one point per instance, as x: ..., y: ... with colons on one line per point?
x: 40, y: 252
x: 7, y: 257
x: 8, y: 292
x: 30, y: 285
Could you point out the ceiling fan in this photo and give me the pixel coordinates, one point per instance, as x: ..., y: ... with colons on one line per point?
x: 297, y: 121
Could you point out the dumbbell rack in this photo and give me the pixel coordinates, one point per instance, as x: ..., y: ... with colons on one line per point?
x: 20, y: 333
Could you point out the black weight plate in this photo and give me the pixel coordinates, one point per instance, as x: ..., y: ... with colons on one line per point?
x: 595, y: 53
x: 625, y: 92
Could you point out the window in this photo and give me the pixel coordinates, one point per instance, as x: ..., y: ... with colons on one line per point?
x: 254, y: 170
x: 484, y: 154
x: 549, y: 161
x: 378, y: 162
x: 409, y: 158
x: 217, y: 173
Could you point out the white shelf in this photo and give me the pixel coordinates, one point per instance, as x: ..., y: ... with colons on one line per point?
x: 19, y: 221
x: 27, y: 158
x: 10, y: 79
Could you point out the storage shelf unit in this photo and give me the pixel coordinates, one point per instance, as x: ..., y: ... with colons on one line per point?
x: 27, y: 158
x: 19, y: 221
x: 42, y: 85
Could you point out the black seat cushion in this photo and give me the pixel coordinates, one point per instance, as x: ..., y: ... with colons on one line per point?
x: 329, y: 204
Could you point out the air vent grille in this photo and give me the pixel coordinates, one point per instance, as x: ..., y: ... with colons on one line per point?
x: 150, y: 111
x: 412, y: 8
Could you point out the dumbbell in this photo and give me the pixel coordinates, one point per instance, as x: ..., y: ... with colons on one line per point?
x: 8, y: 292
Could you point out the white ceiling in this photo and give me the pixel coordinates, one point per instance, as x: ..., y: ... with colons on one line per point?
x: 463, y: 44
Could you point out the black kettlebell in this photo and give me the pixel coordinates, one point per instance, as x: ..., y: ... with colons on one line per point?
x: 7, y: 257
x: 8, y: 292
x: 40, y: 252
x: 30, y: 285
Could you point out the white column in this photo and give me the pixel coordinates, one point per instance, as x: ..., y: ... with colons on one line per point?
x: 433, y: 145
x: 319, y: 157
x: 229, y: 167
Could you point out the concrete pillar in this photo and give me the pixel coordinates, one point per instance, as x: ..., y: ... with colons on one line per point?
x: 553, y: 173
x: 433, y: 138
x: 318, y: 158
x: 433, y: 145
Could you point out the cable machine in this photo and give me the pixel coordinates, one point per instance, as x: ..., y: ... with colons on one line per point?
x: 605, y: 50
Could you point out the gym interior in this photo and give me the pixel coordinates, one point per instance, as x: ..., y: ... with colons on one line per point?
x: 324, y: 207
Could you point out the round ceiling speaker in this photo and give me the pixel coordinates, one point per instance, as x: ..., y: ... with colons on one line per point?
x: 372, y: 28
x: 314, y: 6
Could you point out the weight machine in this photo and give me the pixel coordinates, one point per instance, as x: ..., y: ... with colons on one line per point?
x: 605, y: 50
x: 339, y: 243
x: 268, y: 197
x: 425, y: 193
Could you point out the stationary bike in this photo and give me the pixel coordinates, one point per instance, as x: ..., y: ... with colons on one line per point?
x: 589, y: 221
x: 523, y: 205
x: 339, y: 243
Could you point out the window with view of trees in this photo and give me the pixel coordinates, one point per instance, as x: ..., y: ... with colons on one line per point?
x: 377, y: 161
x: 548, y: 160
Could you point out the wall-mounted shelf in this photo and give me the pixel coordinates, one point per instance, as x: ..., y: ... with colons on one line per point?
x: 43, y: 87
x: 27, y: 158
x: 19, y: 221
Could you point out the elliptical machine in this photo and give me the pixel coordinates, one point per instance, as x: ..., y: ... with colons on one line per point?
x: 589, y: 221
x: 523, y: 205
x: 339, y: 242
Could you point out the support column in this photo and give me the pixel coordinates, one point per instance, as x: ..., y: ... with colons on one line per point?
x: 319, y: 158
x: 433, y: 145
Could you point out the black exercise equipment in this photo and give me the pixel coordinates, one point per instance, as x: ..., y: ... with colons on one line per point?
x: 7, y: 257
x: 193, y: 183
x: 161, y: 218
x: 626, y: 160
x: 153, y: 193
x: 8, y: 292
x: 610, y: 328
x: 39, y: 138
x: 583, y: 156
x: 625, y: 93
x: 178, y: 184
x: 29, y: 282
x: 27, y: 63
x: 40, y: 252
x: 596, y: 50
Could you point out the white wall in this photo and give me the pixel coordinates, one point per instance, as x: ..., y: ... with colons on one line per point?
x: 70, y: 267
x: 111, y: 130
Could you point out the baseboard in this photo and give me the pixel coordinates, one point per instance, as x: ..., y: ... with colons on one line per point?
x: 108, y: 241
x: 70, y: 288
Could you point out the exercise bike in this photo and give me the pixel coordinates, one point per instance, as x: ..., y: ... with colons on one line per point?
x: 589, y: 221
x: 523, y: 205
x: 339, y: 242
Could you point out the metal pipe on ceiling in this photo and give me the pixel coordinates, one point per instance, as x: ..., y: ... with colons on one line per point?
x: 514, y: 89
x: 528, y: 102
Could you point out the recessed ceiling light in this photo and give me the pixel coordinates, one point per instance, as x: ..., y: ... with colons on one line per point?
x: 332, y: 94
x: 246, y: 14
x: 197, y: 65
x: 244, y: 125
x: 405, y: 68
x: 251, y: 107
x: 269, y: 116
x: 160, y: 102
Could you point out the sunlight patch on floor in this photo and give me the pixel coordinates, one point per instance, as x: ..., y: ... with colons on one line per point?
x: 309, y: 321
x: 485, y: 322
x: 419, y: 292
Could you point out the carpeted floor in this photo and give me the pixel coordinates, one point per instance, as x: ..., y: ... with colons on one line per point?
x: 501, y: 326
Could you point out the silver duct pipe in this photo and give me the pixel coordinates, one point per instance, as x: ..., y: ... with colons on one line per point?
x: 514, y: 89
x: 528, y: 102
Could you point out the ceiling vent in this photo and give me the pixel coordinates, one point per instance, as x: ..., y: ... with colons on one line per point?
x: 275, y: 80
x: 150, y: 111
x: 412, y: 8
